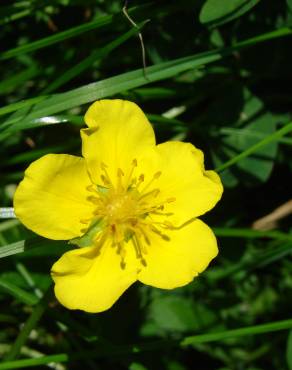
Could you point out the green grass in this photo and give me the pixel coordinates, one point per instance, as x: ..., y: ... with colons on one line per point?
x: 218, y: 76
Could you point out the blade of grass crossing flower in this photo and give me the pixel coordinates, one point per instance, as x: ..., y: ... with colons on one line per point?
x: 33, y: 319
x: 93, y: 57
x: 268, y: 139
x: 7, y: 212
x: 26, y: 245
x: 126, y: 81
x: 152, y: 346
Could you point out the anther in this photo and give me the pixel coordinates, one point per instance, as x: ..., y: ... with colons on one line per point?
x: 134, y: 162
x: 90, y: 188
x: 143, y: 261
x: 84, y: 221
x: 168, y: 225
x: 155, y: 177
x: 104, y: 180
x: 120, y: 172
x: 93, y: 199
x: 158, y: 232
x: 170, y: 200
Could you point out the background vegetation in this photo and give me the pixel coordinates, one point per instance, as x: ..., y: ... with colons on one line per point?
x: 219, y: 76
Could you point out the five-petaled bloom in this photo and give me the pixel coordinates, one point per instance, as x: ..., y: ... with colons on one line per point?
x: 129, y: 204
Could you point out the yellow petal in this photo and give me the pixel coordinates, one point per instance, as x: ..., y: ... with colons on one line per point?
x: 51, y: 199
x: 184, y: 178
x: 91, y: 282
x: 174, y: 263
x: 119, y: 132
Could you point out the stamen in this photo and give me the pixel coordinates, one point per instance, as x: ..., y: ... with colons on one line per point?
x: 158, y: 232
x: 99, y: 242
x: 155, y: 177
x: 105, y: 178
x: 141, y: 179
x: 137, y: 247
x: 85, y: 221
x: 120, y: 172
x: 153, y: 192
x: 90, y: 188
x: 146, y: 238
x: 94, y: 199
x: 129, y: 182
x: 167, y: 214
x: 168, y: 225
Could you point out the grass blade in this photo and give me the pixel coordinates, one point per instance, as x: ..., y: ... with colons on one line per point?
x: 151, y: 346
x: 60, y: 36
x: 126, y: 81
x: 250, y: 330
x: 17, y: 292
x: 33, y: 319
x: 250, y: 233
x: 93, y: 57
x: 70, y: 33
x: 268, y: 139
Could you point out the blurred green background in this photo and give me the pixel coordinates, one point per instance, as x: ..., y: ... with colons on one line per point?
x: 219, y: 75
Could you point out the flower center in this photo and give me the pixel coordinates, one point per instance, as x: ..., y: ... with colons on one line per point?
x: 119, y: 207
x: 129, y: 211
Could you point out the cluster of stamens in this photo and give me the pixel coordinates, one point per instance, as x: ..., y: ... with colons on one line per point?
x: 126, y: 209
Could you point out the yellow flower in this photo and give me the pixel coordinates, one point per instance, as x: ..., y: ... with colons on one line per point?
x: 129, y: 204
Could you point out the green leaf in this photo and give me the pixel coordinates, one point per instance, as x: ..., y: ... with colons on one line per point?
x: 217, y: 12
x: 179, y: 314
x: 258, y: 166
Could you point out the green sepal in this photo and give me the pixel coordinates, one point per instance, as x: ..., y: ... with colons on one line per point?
x: 96, y: 226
